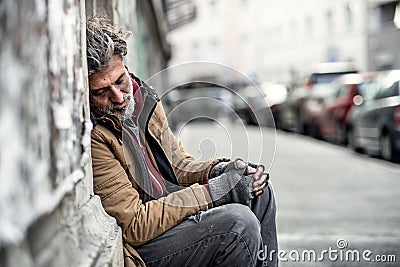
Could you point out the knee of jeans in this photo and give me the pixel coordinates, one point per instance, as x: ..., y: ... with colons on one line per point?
x: 242, y: 220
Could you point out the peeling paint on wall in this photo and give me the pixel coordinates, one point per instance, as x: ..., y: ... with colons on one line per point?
x: 24, y: 137
x: 44, y: 138
x: 49, y: 215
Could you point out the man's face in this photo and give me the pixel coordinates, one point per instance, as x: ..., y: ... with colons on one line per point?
x: 111, y: 89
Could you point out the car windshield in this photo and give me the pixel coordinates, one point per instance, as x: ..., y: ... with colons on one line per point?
x: 384, y: 86
x: 363, y: 87
x: 274, y: 93
x: 325, y: 78
x: 370, y: 90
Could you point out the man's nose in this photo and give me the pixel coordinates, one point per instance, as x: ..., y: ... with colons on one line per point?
x: 116, y: 95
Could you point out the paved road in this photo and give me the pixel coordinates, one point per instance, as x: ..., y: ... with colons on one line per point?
x: 324, y: 192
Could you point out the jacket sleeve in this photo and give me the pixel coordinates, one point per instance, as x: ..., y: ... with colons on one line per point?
x: 187, y: 169
x: 140, y: 222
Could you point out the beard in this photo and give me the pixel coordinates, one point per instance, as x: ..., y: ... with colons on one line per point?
x: 128, y: 111
x: 124, y: 113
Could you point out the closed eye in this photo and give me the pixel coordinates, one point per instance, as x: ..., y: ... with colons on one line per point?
x: 99, y: 92
x: 102, y: 91
x: 120, y: 79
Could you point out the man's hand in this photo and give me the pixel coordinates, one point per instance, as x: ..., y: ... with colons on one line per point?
x: 260, y: 178
x: 232, y: 186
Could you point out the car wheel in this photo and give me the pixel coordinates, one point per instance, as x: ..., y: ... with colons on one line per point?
x: 298, y: 126
x: 387, y: 149
x: 251, y: 119
x: 314, y: 130
x: 352, y: 141
x: 340, y: 134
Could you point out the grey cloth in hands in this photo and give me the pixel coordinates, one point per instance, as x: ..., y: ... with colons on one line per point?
x: 232, y: 186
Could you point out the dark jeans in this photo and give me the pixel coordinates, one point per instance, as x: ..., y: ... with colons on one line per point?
x: 229, y: 235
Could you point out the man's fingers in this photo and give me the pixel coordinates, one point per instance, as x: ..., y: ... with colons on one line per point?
x: 259, y: 186
x: 261, y: 182
x: 240, y: 164
x: 252, y: 164
x: 259, y: 193
x: 259, y: 172
x: 258, y: 183
x: 250, y: 170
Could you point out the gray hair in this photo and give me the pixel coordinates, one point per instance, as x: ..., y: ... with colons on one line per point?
x: 103, y: 40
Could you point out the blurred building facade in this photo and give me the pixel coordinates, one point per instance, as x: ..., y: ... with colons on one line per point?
x: 384, y: 35
x: 223, y: 32
x: 280, y: 40
x: 49, y: 215
x: 300, y: 34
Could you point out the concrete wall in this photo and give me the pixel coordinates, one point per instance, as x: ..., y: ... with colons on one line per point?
x: 49, y: 215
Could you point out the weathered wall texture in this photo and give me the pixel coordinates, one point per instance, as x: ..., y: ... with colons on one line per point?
x: 48, y: 213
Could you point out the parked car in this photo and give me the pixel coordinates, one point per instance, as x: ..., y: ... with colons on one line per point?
x: 242, y: 106
x: 257, y: 105
x: 303, y: 104
x: 275, y: 94
x: 332, y: 122
x: 197, y: 101
x: 376, y: 120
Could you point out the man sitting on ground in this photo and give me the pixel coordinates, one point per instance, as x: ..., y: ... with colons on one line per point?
x: 173, y: 209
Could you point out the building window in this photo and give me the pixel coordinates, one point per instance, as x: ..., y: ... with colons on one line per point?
x: 195, y: 49
x: 293, y: 29
x: 329, y: 21
x: 278, y: 33
x: 214, y: 43
x: 213, y: 7
x: 332, y: 54
x: 308, y: 27
x: 349, y: 16
x: 396, y: 19
x: 388, y: 11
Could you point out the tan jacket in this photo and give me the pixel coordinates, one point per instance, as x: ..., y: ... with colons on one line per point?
x: 122, y: 198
